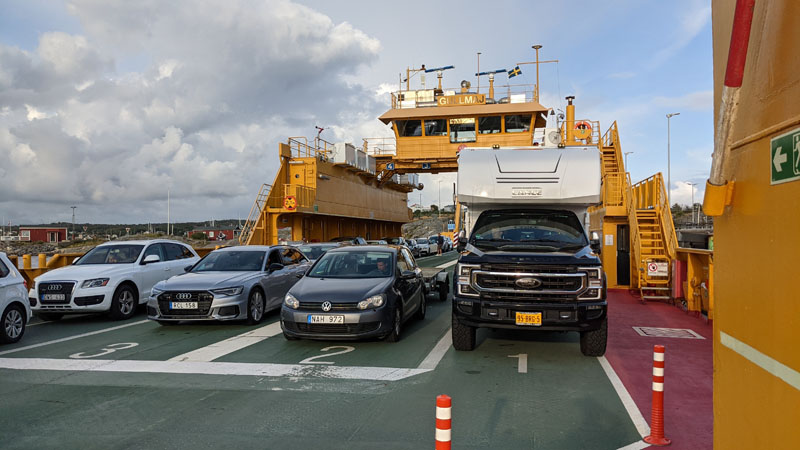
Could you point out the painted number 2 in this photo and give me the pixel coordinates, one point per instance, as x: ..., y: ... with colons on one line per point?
x: 312, y: 360
x: 105, y: 351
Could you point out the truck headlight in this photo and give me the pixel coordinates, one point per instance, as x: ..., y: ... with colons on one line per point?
x: 95, y: 282
x: 594, y: 286
x: 463, y: 280
x: 291, y: 301
x: 227, y: 292
x: 376, y: 301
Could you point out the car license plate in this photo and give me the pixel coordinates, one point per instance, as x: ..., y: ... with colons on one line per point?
x: 183, y: 305
x: 53, y: 297
x: 318, y: 318
x: 529, y: 319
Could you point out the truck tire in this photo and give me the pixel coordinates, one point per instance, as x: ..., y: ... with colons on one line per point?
x: 444, y: 289
x: 593, y: 343
x: 463, y: 336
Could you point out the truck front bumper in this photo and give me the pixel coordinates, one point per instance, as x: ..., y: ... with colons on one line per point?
x: 556, y: 316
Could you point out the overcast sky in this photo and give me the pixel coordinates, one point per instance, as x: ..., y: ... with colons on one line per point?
x: 106, y: 105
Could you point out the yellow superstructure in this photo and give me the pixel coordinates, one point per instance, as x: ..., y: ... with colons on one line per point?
x: 757, y: 312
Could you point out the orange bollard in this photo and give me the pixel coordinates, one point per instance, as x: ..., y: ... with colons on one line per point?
x: 657, y: 416
x: 443, y: 422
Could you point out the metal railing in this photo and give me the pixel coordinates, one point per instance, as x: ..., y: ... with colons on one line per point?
x: 500, y: 91
x: 594, y: 137
x: 380, y: 146
x: 611, y: 139
x: 255, y: 212
x: 300, y: 147
x: 304, y: 196
x: 614, y: 189
x: 651, y: 194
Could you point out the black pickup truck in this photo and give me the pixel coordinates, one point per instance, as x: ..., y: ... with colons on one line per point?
x: 530, y: 269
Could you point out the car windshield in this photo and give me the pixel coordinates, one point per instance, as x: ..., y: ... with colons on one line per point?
x: 314, y: 251
x: 422, y: 241
x: 351, y: 264
x: 433, y: 239
x: 541, y: 230
x: 231, y: 261
x: 112, y: 254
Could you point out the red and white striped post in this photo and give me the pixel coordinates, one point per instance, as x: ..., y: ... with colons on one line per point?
x: 443, y: 422
x: 657, y: 416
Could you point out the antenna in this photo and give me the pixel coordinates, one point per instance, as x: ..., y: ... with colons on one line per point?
x: 439, y: 71
x: 491, y: 79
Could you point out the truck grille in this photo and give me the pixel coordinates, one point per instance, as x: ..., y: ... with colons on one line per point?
x: 519, y: 268
x: 489, y: 281
x: 56, y: 287
x: 202, y: 298
x: 544, y: 282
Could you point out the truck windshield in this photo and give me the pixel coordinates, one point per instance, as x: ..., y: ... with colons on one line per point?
x: 539, y: 230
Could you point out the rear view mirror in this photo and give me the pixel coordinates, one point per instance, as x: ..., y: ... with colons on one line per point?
x: 151, y: 259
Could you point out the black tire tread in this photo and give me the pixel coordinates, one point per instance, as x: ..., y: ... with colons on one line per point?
x: 593, y: 343
x: 463, y: 336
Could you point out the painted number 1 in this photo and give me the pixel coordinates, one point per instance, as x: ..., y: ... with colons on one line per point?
x: 522, y: 364
x: 312, y: 360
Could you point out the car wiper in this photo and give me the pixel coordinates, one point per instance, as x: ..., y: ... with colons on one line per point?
x: 548, y: 248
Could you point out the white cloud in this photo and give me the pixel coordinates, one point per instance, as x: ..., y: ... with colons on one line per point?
x: 697, y: 101
x: 694, y: 19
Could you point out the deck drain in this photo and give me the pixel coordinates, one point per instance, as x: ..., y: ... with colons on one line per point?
x: 682, y: 333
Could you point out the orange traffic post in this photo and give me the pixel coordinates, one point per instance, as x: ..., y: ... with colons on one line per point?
x: 657, y: 416
x: 443, y: 422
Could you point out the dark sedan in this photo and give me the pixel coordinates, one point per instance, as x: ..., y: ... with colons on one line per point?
x: 353, y: 293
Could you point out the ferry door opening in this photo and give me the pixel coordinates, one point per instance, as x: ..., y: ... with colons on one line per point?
x: 623, y: 255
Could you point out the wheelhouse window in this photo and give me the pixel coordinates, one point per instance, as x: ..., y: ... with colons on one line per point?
x: 518, y: 123
x: 436, y: 127
x: 462, y: 130
x: 489, y: 125
x: 406, y: 128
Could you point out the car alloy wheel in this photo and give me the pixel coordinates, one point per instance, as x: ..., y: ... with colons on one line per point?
x: 126, y: 302
x: 255, y: 307
x: 14, y: 324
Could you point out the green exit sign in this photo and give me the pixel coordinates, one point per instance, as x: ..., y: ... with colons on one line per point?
x: 784, y: 157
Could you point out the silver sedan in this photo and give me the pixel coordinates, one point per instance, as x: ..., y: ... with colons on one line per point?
x: 233, y: 283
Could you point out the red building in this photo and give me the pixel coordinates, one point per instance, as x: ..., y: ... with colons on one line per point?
x: 42, y: 234
x: 217, y: 234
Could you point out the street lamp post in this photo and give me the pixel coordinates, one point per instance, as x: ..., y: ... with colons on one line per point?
x: 73, y: 222
x: 692, y: 185
x: 626, y: 161
x: 669, y: 178
x: 439, y: 210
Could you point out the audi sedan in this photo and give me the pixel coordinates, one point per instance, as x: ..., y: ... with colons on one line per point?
x: 232, y: 283
x: 353, y: 293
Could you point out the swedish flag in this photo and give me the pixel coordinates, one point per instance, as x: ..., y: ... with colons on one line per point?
x: 514, y: 72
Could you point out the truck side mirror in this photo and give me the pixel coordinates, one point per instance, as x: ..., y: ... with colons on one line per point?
x: 462, y: 241
x: 594, y: 242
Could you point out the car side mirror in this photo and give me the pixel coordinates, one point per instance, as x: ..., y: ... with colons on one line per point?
x: 274, y: 266
x: 149, y: 259
x: 408, y: 274
x: 76, y: 260
x: 188, y: 268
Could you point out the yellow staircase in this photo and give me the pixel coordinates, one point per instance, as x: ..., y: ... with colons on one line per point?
x: 256, y: 219
x: 653, y: 238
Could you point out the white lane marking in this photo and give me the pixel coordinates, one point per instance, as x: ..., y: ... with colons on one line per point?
x: 230, y: 345
x: 437, y: 353
x: 773, y: 366
x: 212, y: 368
x: 447, y: 264
x: 522, y: 363
x: 625, y: 397
x: 638, y: 445
x: 77, y: 336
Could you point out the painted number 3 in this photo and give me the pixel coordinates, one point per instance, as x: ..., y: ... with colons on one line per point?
x: 105, y: 351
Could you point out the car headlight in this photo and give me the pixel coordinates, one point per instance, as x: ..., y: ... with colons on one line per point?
x: 375, y: 301
x: 291, y: 302
x: 227, y: 292
x: 464, y: 274
x: 96, y: 282
x: 594, y: 286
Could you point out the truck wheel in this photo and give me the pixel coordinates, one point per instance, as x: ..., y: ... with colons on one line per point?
x: 12, y: 324
x: 49, y: 317
x: 124, y: 303
x: 463, y: 336
x: 593, y: 343
x: 397, y: 324
x: 444, y: 289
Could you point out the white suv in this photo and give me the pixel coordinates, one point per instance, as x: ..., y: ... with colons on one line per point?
x: 15, y: 312
x: 114, y: 277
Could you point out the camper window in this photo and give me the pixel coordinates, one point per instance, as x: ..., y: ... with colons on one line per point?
x: 518, y: 123
x: 489, y: 125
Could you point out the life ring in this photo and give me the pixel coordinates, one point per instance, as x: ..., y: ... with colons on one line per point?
x: 583, y: 129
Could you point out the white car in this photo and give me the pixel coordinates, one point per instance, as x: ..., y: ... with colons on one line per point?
x: 114, y: 277
x: 16, y: 312
x: 424, y: 246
